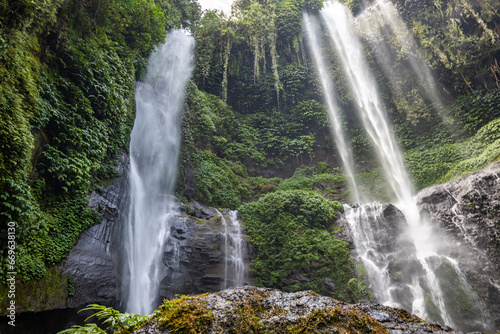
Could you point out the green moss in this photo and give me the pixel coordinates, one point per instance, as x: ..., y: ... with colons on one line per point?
x: 339, y: 319
x: 189, y: 314
x: 51, y: 292
x: 458, y: 299
x: 288, y: 230
x: 184, y: 315
x: 431, y: 308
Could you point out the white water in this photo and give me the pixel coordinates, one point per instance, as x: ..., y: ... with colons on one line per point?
x: 310, y: 27
x: 373, y: 115
x: 154, y: 150
x: 234, y: 266
x: 339, y: 23
x: 365, y: 221
x: 382, y: 19
x: 236, y: 260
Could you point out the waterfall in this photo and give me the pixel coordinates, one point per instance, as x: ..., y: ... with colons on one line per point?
x: 421, y: 280
x: 234, y: 266
x: 154, y: 150
x: 238, y: 250
x: 381, y: 20
x: 311, y: 33
x: 364, y: 88
x: 365, y: 221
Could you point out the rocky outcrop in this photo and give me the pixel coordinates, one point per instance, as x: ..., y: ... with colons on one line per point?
x: 258, y: 310
x: 195, y: 257
x: 468, y: 210
x: 379, y: 231
x: 193, y: 260
x: 91, y: 262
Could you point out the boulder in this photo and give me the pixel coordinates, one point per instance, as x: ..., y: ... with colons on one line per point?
x: 258, y: 310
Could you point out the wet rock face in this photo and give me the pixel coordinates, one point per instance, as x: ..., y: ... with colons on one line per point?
x: 380, y: 233
x: 260, y: 310
x: 90, y: 262
x: 469, y: 210
x: 196, y: 264
x: 201, y: 244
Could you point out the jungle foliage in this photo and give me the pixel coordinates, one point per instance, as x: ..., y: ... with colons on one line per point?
x: 255, y: 60
x: 254, y: 76
x: 254, y: 108
x: 66, y: 103
x: 300, y: 254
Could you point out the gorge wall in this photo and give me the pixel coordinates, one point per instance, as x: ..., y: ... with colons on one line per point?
x: 466, y: 212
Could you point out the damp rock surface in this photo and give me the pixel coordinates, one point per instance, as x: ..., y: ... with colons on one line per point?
x: 250, y: 309
x: 90, y: 263
x: 469, y: 211
x: 193, y: 259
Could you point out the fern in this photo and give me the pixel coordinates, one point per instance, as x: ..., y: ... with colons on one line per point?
x: 116, y: 322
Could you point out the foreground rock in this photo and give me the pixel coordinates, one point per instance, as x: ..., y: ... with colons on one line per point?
x: 258, y: 310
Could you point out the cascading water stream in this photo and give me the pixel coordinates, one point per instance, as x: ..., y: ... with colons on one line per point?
x: 373, y: 116
x: 363, y: 85
x: 236, y: 260
x: 382, y: 19
x: 364, y: 222
x: 234, y: 266
x: 311, y: 32
x: 154, y: 150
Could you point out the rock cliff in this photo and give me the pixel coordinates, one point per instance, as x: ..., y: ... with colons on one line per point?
x: 469, y: 211
x: 94, y: 263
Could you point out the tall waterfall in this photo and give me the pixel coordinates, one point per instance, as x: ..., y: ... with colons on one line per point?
x: 424, y: 252
x: 311, y: 31
x: 382, y: 21
x: 363, y: 85
x: 237, y: 265
x: 154, y: 150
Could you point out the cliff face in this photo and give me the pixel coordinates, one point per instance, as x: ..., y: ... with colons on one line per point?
x: 204, y: 251
x: 197, y: 230
x: 469, y: 211
x: 92, y: 261
x: 466, y: 212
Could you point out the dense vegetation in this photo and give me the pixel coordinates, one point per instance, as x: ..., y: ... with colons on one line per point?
x: 253, y: 116
x: 293, y: 234
x: 256, y: 62
x: 254, y: 76
x: 66, y: 102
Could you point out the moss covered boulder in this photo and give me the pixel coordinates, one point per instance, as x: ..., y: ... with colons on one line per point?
x: 258, y: 310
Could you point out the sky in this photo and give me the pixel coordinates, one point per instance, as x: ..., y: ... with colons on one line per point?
x: 224, y: 5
